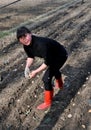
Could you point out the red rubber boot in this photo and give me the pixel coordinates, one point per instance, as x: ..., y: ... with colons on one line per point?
x: 59, y: 83
x: 48, y: 96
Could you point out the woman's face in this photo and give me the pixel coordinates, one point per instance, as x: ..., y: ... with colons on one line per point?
x: 26, y: 40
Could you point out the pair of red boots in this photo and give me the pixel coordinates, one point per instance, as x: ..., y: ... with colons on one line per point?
x: 48, y: 95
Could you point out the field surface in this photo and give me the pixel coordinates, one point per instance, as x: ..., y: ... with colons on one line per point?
x: 67, y: 21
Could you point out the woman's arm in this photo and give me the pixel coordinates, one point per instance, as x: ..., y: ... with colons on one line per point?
x: 39, y: 69
x: 29, y: 62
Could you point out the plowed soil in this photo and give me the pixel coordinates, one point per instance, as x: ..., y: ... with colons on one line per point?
x: 67, y: 21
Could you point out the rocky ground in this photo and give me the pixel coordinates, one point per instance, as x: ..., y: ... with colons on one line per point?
x: 67, y: 21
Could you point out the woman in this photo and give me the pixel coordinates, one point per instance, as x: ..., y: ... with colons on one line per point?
x: 54, y: 55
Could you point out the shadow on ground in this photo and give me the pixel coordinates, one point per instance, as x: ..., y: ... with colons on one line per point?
x: 63, y: 98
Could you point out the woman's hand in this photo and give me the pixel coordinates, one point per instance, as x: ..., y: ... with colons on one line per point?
x: 39, y: 69
x: 32, y: 74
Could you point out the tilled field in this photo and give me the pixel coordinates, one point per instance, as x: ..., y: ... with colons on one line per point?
x: 68, y: 22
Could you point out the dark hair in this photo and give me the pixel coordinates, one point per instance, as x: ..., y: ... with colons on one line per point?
x: 22, y: 31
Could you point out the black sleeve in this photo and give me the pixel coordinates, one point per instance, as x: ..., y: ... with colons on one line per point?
x: 28, y: 51
x: 46, y: 62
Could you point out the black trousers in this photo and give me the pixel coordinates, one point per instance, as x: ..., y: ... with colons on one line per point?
x: 52, y: 71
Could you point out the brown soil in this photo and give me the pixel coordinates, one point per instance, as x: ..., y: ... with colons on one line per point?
x: 68, y: 22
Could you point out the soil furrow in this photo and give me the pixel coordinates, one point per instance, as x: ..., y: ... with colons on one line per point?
x: 79, y: 74
x: 62, y: 24
x: 14, y: 90
x: 19, y: 97
x: 76, y: 108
